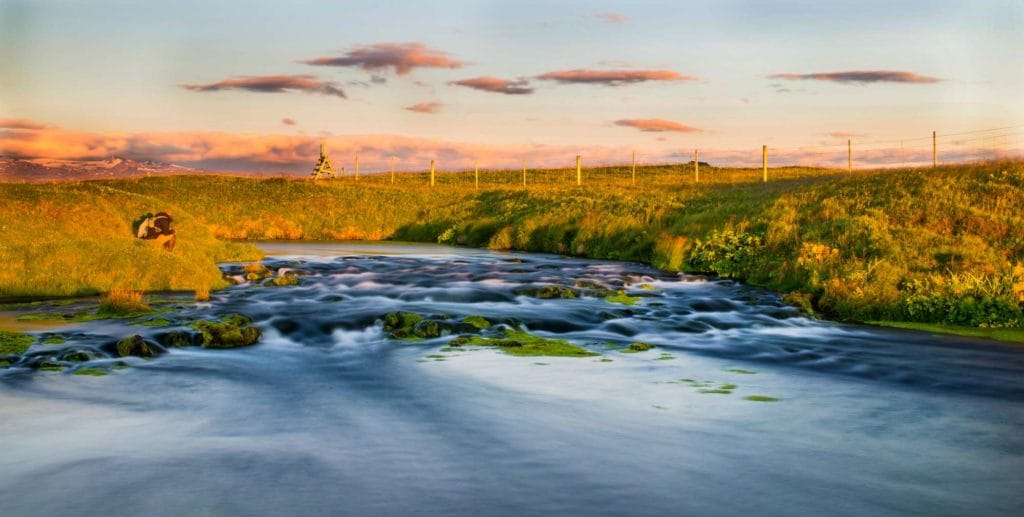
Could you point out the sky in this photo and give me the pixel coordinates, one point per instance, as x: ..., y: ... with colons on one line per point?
x: 254, y: 85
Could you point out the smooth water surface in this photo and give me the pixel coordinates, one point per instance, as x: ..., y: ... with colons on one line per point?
x: 329, y: 416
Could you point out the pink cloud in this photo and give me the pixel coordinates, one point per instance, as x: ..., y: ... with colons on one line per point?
x: 496, y: 85
x: 846, y: 135
x: 425, y: 107
x: 612, y: 77
x: 271, y: 84
x: 656, y: 125
x: 612, y: 17
x: 861, y: 76
x: 401, y: 57
x: 288, y: 122
x: 28, y: 125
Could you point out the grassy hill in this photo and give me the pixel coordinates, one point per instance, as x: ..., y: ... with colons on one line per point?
x: 942, y: 245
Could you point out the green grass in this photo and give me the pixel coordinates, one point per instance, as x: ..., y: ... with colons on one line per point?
x: 1013, y: 335
x: 942, y: 245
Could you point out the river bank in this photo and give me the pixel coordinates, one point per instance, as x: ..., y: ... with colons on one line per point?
x: 941, y: 246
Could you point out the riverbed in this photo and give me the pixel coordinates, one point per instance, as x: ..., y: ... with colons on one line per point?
x: 742, y: 406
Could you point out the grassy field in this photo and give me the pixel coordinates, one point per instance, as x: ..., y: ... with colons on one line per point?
x: 942, y: 246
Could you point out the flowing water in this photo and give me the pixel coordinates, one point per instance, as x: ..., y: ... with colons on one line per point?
x: 328, y: 415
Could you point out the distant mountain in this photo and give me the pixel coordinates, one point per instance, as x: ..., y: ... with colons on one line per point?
x: 45, y: 169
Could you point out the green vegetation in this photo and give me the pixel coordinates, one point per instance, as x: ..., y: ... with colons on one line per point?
x: 14, y: 343
x: 521, y: 343
x: 761, y: 398
x: 231, y: 331
x: 1015, y: 335
x: 942, y: 246
x: 92, y: 372
x: 637, y: 347
x: 623, y: 298
x: 740, y: 371
x: 55, y: 339
x: 479, y: 322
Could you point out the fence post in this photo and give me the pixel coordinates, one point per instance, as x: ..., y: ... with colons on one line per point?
x: 579, y: 172
x: 392, y: 170
x: 849, y: 155
x: 935, y: 152
x: 476, y: 174
x: 696, y: 167
x: 764, y: 162
x: 634, y: 167
x: 431, y: 173
x: 524, y: 173
x: 357, y: 166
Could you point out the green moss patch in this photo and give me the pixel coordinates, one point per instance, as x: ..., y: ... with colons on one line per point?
x: 521, y: 343
x: 479, y: 322
x: 622, y: 298
x: 232, y: 331
x: 15, y: 342
x: 637, y: 347
x: 740, y: 371
x: 156, y: 322
x: 92, y: 372
x: 761, y: 398
x: 55, y: 339
x: 549, y: 292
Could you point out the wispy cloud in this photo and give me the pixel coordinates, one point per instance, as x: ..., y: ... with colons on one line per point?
x: 612, y: 77
x: 288, y: 121
x: 425, y: 107
x: 272, y: 84
x: 845, y: 135
x: 11, y: 123
x: 612, y: 17
x: 656, y: 125
x: 860, y: 77
x: 497, y: 85
x: 400, y: 57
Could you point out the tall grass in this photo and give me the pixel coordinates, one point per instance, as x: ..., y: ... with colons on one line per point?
x: 939, y: 245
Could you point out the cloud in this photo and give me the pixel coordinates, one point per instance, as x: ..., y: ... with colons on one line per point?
x: 288, y: 122
x: 296, y: 154
x: 496, y: 85
x: 656, y: 125
x: 425, y: 107
x: 845, y: 135
x: 272, y: 84
x: 861, y: 77
x: 401, y: 57
x: 28, y: 125
x: 612, y: 77
x: 612, y: 17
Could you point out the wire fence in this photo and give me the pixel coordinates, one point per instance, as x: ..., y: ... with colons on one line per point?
x: 847, y: 154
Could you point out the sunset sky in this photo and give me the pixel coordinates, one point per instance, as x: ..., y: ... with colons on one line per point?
x: 254, y: 85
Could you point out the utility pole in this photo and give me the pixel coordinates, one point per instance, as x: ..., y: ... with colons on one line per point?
x: 431, y: 173
x: 764, y: 162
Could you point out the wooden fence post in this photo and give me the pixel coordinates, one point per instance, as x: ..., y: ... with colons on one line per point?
x: 524, y: 173
x: 696, y: 167
x: 764, y: 162
x: 579, y: 172
x: 392, y: 170
x: 431, y: 173
x: 849, y: 155
x: 935, y: 152
x: 357, y: 166
x: 476, y: 174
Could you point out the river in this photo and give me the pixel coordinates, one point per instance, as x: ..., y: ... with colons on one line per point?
x: 744, y: 407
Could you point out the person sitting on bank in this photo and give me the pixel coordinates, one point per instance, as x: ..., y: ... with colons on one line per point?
x: 158, y: 228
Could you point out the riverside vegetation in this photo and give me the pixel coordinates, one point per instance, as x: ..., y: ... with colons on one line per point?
x: 941, y: 248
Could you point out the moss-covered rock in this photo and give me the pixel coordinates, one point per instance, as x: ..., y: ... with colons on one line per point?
x: 92, y: 372
x: 622, y: 298
x: 179, y: 338
x: 138, y: 347
x: 479, y: 322
x: 638, y: 347
x: 400, y: 324
x: 79, y: 355
x: 232, y: 331
x: 14, y: 343
x: 521, y: 343
x: 549, y: 292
